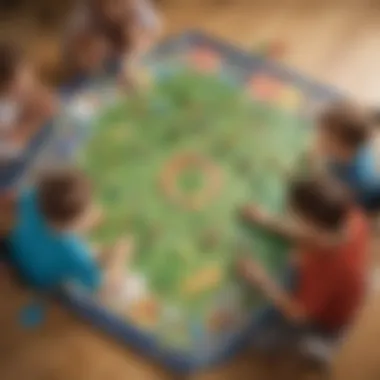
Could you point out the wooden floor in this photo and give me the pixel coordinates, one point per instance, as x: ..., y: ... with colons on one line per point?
x: 337, y: 42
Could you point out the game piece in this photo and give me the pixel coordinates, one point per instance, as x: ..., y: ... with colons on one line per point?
x: 205, y: 60
x: 145, y: 312
x: 33, y: 314
x: 290, y: 98
x: 264, y: 87
x: 204, y: 280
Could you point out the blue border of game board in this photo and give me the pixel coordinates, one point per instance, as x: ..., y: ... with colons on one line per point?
x: 129, y: 334
x: 11, y: 173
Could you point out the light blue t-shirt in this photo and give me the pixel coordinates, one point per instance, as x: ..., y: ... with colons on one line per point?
x: 46, y: 258
x: 361, y: 175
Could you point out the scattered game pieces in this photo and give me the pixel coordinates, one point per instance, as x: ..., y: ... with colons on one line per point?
x: 32, y: 315
x: 265, y: 88
x: 205, y: 115
x: 204, y: 280
x: 205, y: 60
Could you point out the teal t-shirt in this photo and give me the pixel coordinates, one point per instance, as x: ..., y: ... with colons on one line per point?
x: 46, y: 258
x: 361, y: 175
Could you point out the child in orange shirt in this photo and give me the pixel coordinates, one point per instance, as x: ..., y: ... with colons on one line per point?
x: 330, y: 237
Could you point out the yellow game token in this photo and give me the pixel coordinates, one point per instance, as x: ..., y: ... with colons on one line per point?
x: 290, y: 98
x: 145, y: 313
x: 204, y: 280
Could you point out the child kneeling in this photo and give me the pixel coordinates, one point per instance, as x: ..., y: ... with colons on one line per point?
x: 45, y: 243
x: 344, y: 146
x: 330, y: 237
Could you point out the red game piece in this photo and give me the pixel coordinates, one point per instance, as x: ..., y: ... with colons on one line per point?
x: 205, y: 60
x: 265, y: 87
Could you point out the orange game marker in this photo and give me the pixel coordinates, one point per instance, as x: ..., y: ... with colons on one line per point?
x: 205, y: 60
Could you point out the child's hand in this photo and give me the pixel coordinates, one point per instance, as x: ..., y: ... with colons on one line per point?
x: 253, y: 272
x: 256, y: 214
x: 91, y: 220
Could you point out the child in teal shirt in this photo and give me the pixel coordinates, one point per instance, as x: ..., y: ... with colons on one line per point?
x: 45, y: 244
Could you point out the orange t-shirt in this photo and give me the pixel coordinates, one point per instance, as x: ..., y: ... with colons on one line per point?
x: 332, y: 283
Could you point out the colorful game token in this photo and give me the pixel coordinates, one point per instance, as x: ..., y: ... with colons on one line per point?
x: 145, y: 312
x: 32, y: 315
x: 204, y: 280
x: 205, y: 60
x: 264, y: 87
x: 290, y: 98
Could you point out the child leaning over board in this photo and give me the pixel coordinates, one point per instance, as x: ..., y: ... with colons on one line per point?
x: 45, y: 243
x: 344, y: 147
x: 119, y: 31
x: 330, y: 237
x: 25, y: 104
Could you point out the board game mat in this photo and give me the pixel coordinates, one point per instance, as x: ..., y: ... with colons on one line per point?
x: 216, y: 129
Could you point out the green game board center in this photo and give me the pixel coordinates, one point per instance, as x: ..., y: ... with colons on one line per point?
x: 175, y: 243
x: 190, y: 181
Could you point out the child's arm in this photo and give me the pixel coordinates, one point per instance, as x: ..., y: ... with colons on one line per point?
x: 99, y: 272
x: 91, y: 220
x: 288, y: 230
x: 282, y: 300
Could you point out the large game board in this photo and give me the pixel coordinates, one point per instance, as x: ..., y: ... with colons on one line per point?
x: 214, y: 130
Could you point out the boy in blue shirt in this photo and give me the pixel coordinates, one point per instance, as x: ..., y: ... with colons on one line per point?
x: 45, y: 244
x: 344, y: 143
